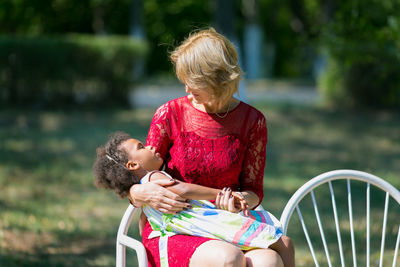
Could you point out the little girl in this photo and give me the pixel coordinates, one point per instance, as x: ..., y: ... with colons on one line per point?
x: 124, y: 161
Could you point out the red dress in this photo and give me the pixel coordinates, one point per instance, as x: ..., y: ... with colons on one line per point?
x: 202, y: 148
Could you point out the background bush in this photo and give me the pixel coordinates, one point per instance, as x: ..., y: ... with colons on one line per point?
x: 364, y: 55
x: 289, y: 31
x: 361, y: 39
x: 49, y: 71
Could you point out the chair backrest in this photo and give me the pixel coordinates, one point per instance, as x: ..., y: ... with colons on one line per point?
x: 342, y: 228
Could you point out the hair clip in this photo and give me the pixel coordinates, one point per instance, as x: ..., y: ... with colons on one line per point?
x: 120, y: 164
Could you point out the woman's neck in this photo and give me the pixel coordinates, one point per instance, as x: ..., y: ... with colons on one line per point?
x: 212, y: 107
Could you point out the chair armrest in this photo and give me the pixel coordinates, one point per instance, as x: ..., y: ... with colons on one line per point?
x: 123, y: 240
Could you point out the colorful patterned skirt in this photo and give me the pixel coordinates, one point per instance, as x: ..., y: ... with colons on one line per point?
x: 259, y: 230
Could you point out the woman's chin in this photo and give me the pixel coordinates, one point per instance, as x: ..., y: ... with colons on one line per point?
x: 195, y: 100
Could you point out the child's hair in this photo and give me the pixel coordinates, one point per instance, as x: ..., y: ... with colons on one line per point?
x: 109, y: 169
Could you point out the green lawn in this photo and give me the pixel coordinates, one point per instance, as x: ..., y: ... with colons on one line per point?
x: 52, y: 215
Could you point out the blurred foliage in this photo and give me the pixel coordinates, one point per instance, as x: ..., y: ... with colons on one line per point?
x: 364, y: 55
x: 50, y: 71
x: 36, y: 17
x: 293, y: 44
x: 361, y: 37
x: 166, y: 23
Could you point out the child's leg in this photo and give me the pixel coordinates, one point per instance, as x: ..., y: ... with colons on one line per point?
x: 284, y: 246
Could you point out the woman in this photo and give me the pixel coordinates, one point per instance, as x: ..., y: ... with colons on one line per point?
x: 212, y: 139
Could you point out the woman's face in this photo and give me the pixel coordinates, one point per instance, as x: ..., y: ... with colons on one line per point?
x: 199, y: 96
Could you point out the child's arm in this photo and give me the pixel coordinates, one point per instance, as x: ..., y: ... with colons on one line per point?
x: 198, y: 192
x: 186, y: 190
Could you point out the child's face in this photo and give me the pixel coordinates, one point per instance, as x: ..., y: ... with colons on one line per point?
x: 146, y: 157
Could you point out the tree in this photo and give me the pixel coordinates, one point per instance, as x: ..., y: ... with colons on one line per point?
x: 364, y: 59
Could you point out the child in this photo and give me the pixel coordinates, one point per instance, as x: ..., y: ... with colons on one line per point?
x: 124, y: 161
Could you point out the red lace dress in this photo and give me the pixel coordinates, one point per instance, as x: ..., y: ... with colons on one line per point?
x: 202, y: 148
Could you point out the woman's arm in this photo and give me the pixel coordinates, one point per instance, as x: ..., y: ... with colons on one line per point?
x: 236, y: 203
x: 186, y: 190
x: 252, y: 174
x: 156, y: 196
x: 251, y: 198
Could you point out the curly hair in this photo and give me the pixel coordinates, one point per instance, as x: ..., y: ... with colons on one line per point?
x: 109, y: 168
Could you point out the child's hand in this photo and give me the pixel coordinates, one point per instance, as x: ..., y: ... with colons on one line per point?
x: 232, y: 201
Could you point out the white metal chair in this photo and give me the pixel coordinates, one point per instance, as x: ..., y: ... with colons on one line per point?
x: 344, y: 225
x: 309, y: 188
x: 123, y: 240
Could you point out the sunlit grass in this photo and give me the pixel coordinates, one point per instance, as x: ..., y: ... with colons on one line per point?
x: 307, y: 141
x: 52, y: 215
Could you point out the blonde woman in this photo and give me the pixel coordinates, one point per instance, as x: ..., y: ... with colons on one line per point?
x: 212, y: 139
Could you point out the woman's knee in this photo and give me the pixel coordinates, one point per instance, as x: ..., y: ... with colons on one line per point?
x: 217, y: 253
x: 263, y: 257
x: 231, y: 257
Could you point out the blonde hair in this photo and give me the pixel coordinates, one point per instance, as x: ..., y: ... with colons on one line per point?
x: 207, y: 59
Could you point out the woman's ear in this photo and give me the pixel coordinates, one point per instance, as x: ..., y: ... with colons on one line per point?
x: 132, y: 165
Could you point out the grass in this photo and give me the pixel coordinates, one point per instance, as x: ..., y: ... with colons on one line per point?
x: 52, y: 215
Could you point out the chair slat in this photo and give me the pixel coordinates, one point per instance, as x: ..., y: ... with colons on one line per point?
x: 396, y: 250
x: 384, y: 228
x: 339, y: 237
x: 369, y: 180
x: 368, y: 226
x: 321, y: 230
x: 353, y: 243
x: 307, y: 236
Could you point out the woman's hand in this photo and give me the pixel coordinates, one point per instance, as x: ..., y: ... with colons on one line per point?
x: 156, y: 196
x: 232, y: 201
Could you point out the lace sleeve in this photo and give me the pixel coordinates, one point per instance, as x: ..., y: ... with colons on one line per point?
x: 159, y: 132
x: 252, y: 174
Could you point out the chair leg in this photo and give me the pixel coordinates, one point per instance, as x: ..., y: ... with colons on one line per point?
x: 121, y: 255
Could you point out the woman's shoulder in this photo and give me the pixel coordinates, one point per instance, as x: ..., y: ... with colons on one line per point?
x: 253, y: 113
x: 171, y: 107
x: 255, y: 121
x: 169, y: 110
x: 177, y: 102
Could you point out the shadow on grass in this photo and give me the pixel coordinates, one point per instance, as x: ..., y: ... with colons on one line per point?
x: 95, y: 255
x: 306, y: 141
x: 42, y: 139
x: 47, y: 185
x: 359, y: 207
